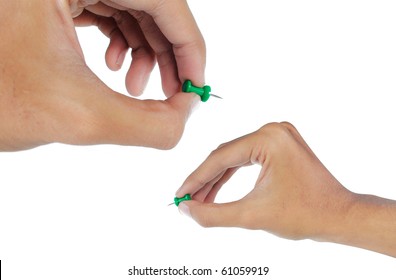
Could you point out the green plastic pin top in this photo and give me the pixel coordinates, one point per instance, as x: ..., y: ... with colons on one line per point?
x: 203, y: 92
x: 177, y: 200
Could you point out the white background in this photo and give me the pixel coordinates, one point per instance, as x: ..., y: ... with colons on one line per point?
x: 328, y: 67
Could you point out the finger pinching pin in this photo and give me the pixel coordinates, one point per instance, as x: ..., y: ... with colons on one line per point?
x: 203, y: 92
x: 177, y: 200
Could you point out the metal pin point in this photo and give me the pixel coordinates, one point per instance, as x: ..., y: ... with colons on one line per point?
x: 214, y: 95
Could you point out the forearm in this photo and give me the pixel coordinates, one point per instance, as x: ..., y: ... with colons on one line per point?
x: 370, y: 224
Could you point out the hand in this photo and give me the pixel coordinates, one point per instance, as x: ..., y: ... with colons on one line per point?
x: 48, y: 94
x: 295, y: 196
x: 155, y: 30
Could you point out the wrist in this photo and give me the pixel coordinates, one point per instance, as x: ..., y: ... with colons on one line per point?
x: 367, y: 222
x: 336, y: 222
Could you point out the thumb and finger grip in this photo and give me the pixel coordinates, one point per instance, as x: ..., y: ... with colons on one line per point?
x: 225, y: 160
x: 212, y: 214
x: 230, y: 155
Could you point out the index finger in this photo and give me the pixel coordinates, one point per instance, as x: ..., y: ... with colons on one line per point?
x: 176, y: 22
x: 230, y: 155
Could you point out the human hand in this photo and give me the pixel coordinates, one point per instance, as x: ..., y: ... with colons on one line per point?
x: 48, y: 94
x: 155, y: 30
x: 295, y: 196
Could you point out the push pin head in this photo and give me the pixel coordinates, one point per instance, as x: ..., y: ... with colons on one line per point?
x: 203, y: 92
x: 177, y: 200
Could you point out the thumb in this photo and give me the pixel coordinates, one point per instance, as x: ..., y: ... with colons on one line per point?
x: 149, y: 123
x: 213, y: 214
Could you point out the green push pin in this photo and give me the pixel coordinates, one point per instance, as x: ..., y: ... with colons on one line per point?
x: 177, y: 200
x: 203, y: 92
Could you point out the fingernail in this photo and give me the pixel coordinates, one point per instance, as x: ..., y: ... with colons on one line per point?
x: 120, y: 59
x: 184, y: 209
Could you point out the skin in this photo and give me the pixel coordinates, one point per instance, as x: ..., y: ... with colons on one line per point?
x: 48, y: 94
x: 295, y: 196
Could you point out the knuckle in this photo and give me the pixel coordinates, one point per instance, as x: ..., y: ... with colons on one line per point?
x: 274, y: 129
x: 289, y: 126
x: 143, y: 52
x: 139, y: 16
x: 153, y: 6
x: 215, y: 152
x: 197, y: 47
x: 85, y: 3
x: 221, y: 146
x: 276, y: 134
x: 119, y: 17
x: 196, y: 180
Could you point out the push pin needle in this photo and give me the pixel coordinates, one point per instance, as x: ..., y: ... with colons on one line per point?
x: 214, y: 95
x: 203, y: 92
